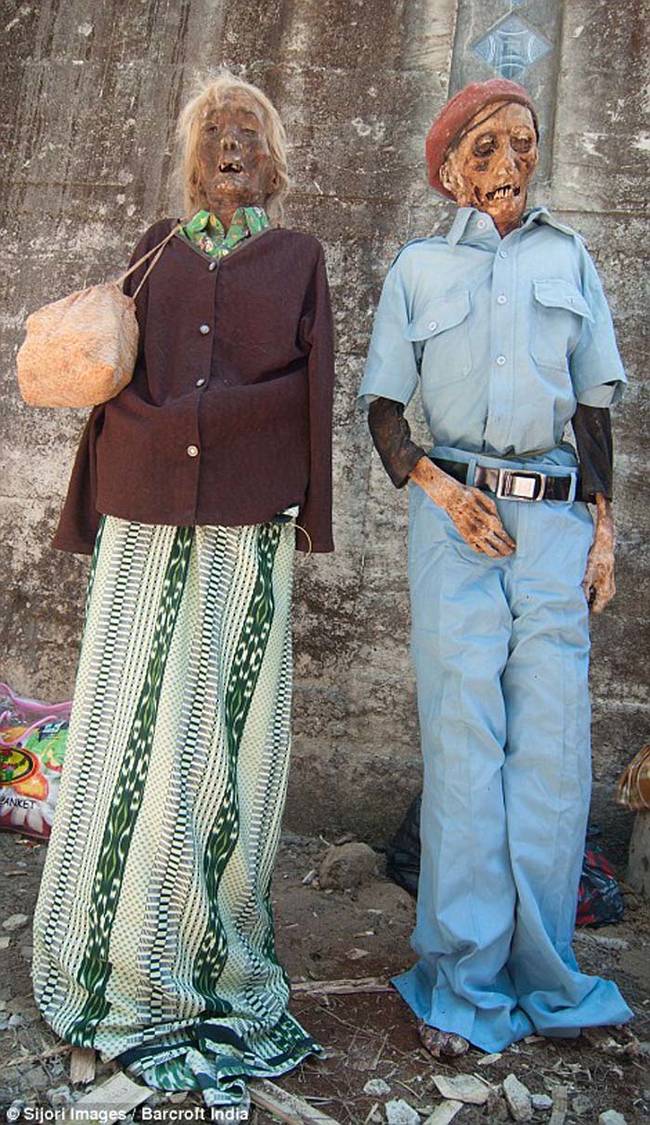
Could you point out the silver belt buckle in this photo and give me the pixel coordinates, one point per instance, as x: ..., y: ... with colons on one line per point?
x: 520, y: 484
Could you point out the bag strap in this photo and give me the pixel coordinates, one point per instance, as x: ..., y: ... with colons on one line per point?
x: 31, y: 707
x: 159, y: 247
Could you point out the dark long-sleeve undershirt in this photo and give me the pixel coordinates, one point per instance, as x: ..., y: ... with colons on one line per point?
x: 592, y: 428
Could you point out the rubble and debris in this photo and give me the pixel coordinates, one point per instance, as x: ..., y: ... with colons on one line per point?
x: 359, y: 984
x: 602, y: 1038
x: 60, y: 1097
x: 399, y: 1112
x: 611, y: 1117
x: 586, y: 937
x: 119, y: 1093
x: 376, y: 1088
x: 444, y: 1113
x: 15, y: 922
x: 369, y: 1033
x: 348, y: 866
x: 487, y: 1060
x: 83, y: 1062
x: 288, y: 1107
x: 518, y: 1098
x: 462, y: 1088
x: 560, y: 1105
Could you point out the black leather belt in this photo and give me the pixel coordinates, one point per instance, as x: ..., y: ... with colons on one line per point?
x: 511, y: 484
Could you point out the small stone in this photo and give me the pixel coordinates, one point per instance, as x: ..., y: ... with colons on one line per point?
x: 27, y: 951
x: 348, y: 866
x: 462, y: 1088
x: 15, y: 921
x: 518, y: 1098
x: 581, y: 1104
x: 444, y: 1113
x: 399, y: 1112
x: 356, y: 954
x: 376, y: 1088
x: 541, y: 1101
x: 60, y: 1097
x: 487, y: 1060
x: 611, y: 1117
x: 16, y: 1020
x: 5, y: 941
x: 35, y: 1078
x: 617, y: 945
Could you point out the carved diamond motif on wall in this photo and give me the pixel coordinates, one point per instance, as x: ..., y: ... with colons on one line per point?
x: 511, y: 47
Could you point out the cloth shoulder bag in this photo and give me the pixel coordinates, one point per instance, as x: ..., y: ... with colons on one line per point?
x: 81, y: 350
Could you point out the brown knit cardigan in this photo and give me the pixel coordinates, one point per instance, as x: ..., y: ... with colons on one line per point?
x: 228, y: 417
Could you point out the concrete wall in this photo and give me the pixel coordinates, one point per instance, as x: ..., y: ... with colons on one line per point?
x: 87, y: 162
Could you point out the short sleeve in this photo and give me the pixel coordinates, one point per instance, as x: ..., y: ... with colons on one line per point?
x: 595, y: 364
x: 391, y: 369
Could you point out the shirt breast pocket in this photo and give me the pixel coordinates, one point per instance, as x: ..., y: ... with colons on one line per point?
x: 559, y: 313
x: 440, y: 332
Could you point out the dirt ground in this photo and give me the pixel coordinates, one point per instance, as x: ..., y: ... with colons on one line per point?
x: 330, y: 935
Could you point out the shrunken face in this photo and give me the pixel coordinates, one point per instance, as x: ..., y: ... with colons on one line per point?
x: 492, y: 164
x: 234, y: 163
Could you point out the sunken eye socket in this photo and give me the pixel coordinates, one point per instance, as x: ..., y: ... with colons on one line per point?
x: 484, y: 146
x: 522, y: 144
x: 214, y: 130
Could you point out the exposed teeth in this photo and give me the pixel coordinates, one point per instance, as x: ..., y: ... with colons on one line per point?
x: 230, y: 166
x: 503, y: 191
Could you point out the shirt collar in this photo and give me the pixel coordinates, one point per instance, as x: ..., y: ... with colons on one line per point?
x: 470, y: 222
x: 207, y: 230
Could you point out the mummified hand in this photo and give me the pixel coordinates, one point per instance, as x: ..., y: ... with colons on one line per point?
x: 598, y: 583
x: 474, y: 514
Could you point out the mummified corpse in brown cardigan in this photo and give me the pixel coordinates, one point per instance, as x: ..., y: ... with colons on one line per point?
x: 228, y: 417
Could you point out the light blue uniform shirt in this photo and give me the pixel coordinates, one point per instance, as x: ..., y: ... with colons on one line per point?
x: 506, y: 335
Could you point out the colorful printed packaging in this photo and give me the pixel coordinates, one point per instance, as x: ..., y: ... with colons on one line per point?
x: 33, y: 737
x: 30, y: 771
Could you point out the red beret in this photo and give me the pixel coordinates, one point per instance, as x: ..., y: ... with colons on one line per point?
x: 459, y: 110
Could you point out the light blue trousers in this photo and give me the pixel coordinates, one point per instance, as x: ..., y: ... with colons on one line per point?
x: 501, y: 654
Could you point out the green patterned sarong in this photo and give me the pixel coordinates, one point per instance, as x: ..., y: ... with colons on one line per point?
x: 153, y: 931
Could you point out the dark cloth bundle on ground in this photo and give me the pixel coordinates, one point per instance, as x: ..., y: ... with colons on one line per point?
x: 600, y: 901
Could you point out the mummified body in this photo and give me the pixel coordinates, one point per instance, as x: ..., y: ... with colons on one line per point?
x: 504, y: 325
x: 153, y: 932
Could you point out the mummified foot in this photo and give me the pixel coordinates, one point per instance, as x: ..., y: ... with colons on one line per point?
x: 441, y: 1043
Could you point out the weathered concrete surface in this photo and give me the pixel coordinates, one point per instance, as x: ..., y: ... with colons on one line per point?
x: 86, y: 166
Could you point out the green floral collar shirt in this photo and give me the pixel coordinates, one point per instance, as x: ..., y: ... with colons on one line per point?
x: 207, y: 232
